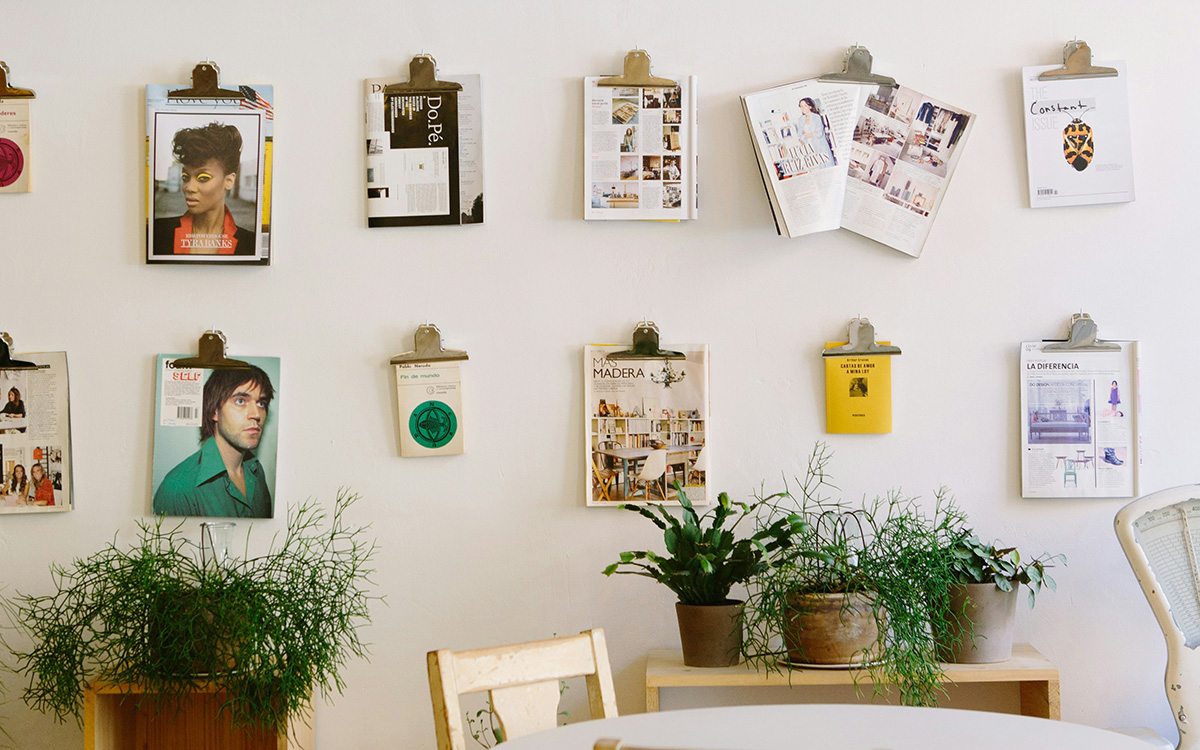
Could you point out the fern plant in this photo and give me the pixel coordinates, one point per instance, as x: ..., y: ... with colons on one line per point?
x: 267, y: 631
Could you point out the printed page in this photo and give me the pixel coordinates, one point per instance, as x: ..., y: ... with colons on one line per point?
x: 1162, y: 535
x: 209, y: 163
x: 646, y: 426
x: 14, y: 145
x: 858, y: 393
x: 639, y: 151
x: 424, y: 155
x: 904, y: 151
x: 35, y: 436
x: 429, y: 399
x: 802, y: 137
x: 1079, y: 422
x: 1077, y: 139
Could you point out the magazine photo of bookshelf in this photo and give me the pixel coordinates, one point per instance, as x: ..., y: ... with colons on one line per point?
x: 646, y: 423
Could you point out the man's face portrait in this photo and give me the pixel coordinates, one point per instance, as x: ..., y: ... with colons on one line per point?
x: 239, y: 419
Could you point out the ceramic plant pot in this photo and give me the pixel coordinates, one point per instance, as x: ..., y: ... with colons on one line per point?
x: 989, y: 613
x: 711, y: 634
x: 831, y: 629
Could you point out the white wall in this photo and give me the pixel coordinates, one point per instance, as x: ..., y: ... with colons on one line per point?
x: 496, y: 545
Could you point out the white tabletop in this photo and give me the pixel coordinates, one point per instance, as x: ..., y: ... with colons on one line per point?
x: 836, y: 727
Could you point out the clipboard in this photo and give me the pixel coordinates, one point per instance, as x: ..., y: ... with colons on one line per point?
x: 211, y: 348
x: 646, y: 345
x: 7, y: 91
x: 6, y: 360
x: 1080, y: 415
x: 857, y: 69
x: 429, y: 399
x: 637, y: 74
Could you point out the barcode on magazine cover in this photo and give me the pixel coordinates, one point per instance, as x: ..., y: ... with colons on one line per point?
x: 1047, y: 191
x: 186, y: 412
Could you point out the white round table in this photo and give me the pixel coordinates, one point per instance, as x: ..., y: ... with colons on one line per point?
x: 832, y: 727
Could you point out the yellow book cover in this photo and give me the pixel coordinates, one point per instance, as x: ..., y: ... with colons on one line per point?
x: 858, y: 393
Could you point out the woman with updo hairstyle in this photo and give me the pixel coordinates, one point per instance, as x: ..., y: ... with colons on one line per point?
x: 210, y: 156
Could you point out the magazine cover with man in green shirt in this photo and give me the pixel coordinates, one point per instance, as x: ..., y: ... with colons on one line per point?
x: 215, y: 439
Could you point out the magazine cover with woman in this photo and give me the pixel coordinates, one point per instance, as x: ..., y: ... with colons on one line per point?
x: 209, y: 169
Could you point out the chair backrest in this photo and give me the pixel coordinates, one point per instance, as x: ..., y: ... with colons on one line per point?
x: 521, y: 681
x: 1159, y: 533
x: 654, y: 466
x: 701, y: 462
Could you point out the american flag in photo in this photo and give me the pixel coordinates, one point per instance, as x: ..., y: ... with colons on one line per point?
x: 251, y: 100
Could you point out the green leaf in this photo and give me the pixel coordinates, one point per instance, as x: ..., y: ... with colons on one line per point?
x: 610, y: 569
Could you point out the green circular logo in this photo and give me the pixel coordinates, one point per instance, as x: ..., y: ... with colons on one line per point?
x: 432, y: 424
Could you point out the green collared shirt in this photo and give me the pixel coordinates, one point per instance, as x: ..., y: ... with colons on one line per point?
x: 200, y: 486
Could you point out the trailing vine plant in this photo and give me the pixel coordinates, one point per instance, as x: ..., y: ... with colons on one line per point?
x: 888, y: 549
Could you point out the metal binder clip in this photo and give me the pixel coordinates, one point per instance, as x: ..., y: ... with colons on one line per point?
x: 427, y: 347
x: 6, y: 360
x: 861, y: 336
x: 637, y: 73
x: 857, y: 69
x: 422, y: 77
x: 205, y: 84
x: 1082, y: 337
x: 645, y: 345
x: 211, y: 355
x: 9, y: 92
x: 1077, y: 63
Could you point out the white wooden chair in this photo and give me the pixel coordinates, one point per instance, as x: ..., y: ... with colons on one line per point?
x: 699, y: 467
x: 1159, y: 533
x: 521, y: 681
x: 652, y: 473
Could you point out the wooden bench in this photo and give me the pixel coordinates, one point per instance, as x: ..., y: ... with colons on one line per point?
x: 1036, y: 676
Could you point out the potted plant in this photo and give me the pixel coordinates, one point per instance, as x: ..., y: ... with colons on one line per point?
x: 859, y: 587
x: 266, y: 631
x: 704, y: 559
x: 988, y: 579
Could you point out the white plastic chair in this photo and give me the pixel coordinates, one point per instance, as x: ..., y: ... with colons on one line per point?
x: 1159, y: 533
x: 654, y: 468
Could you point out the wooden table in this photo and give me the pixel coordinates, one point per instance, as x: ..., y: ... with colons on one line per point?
x: 836, y: 727
x: 1037, y: 677
x: 681, y: 454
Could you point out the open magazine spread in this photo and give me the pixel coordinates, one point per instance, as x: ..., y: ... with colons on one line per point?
x: 424, y: 155
x: 639, y: 147
x: 645, y: 426
x: 209, y: 162
x: 1077, y: 139
x: 873, y: 159
x: 1079, y: 422
x: 35, y: 436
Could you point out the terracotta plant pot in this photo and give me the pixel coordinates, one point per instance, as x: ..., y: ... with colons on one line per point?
x: 990, y: 612
x: 834, y: 629
x: 711, y: 634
